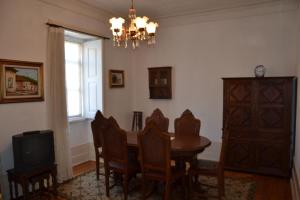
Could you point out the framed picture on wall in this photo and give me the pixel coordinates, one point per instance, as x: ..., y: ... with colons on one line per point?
x: 116, y: 78
x: 21, y: 81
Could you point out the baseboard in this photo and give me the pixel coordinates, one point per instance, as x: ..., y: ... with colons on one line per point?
x: 295, y: 185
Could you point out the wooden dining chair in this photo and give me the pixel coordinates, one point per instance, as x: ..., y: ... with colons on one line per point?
x: 187, y: 125
x: 98, y: 126
x: 155, y: 158
x: 115, y: 155
x: 158, y: 117
x: 212, y: 168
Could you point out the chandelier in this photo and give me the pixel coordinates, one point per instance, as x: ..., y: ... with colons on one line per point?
x: 137, y: 30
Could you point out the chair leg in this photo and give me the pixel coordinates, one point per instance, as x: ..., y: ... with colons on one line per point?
x: 143, y: 188
x: 221, y: 187
x: 167, y: 190
x: 97, y: 167
x: 125, y: 186
x: 184, y: 185
x: 107, y: 181
x: 189, y: 190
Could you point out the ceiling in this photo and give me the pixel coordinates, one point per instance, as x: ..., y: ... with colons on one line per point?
x: 168, y: 8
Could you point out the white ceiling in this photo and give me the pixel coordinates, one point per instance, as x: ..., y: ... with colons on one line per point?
x: 167, y: 8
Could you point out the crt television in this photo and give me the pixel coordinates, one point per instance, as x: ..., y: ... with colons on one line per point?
x: 33, y: 150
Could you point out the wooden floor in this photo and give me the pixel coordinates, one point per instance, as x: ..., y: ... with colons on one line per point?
x: 268, y: 188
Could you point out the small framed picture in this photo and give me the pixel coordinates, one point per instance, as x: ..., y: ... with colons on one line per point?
x: 21, y: 81
x: 116, y: 78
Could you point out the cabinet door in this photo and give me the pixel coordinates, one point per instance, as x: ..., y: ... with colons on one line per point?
x: 153, y: 78
x: 273, y: 109
x: 240, y: 155
x: 165, y: 77
x: 238, y: 113
x: 273, y: 158
x: 273, y: 123
x: 238, y: 107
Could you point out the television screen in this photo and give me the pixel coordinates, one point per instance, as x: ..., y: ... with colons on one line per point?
x: 33, y: 150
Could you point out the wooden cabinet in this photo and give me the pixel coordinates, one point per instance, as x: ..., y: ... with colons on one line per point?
x: 160, y: 82
x: 260, y: 116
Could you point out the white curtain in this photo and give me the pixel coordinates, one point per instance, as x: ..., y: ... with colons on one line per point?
x: 58, y: 117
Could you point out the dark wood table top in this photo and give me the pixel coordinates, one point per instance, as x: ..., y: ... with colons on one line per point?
x: 179, y: 146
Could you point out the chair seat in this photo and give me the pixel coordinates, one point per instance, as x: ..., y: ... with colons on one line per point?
x: 132, y: 167
x: 204, y: 165
x: 157, y: 175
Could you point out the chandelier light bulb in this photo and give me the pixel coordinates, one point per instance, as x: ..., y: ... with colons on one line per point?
x: 141, y: 22
x: 151, y: 28
x: 117, y: 23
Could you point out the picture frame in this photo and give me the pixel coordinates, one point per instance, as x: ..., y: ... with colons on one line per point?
x: 21, y: 81
x: 116, y: 78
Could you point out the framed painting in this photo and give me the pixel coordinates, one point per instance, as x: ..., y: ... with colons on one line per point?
x: 116, y: 78
x: 21, y: 81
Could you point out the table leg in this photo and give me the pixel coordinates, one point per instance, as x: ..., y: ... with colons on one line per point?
x: 16, y: 190
x: 25, y: 189
x: 54, y: 181
x: 10, y: 187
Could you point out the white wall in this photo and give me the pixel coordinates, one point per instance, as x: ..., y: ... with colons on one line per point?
x: 118, y: 101
x: 202, y: 53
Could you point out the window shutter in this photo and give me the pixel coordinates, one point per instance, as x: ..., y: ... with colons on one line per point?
x: 92, y: 77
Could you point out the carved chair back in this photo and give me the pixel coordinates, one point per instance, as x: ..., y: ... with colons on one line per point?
x: 154, y: 149
x: 98, y: 126
x: 158, y: 117
x: 187, y: 125
x: 114, y: 142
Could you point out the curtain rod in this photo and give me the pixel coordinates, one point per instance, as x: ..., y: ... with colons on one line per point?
x: 51, y: 23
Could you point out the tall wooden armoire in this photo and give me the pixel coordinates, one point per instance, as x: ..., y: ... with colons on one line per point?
x: 260, y: 115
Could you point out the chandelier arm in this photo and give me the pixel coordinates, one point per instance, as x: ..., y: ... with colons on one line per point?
x: 131, y: 4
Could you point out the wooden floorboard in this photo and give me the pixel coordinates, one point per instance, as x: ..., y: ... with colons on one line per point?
x: 268, y: 188
x: 84, y: 167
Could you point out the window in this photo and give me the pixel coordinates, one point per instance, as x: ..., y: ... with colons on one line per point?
x: 73, y: 59
x: 83, y: 62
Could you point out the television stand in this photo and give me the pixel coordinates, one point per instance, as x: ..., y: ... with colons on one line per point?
x: 31, y: 178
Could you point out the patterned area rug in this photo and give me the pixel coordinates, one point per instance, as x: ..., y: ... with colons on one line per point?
x: 86, y: 187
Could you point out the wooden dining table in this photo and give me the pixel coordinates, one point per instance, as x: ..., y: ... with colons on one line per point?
x: 181, y: 147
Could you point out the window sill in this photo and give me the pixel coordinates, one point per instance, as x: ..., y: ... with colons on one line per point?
x: 76, y: 119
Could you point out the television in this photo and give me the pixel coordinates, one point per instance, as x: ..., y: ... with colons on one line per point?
x: 32, y: 150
